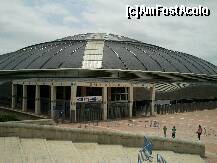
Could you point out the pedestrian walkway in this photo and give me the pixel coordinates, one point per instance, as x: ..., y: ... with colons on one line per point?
x: 19, y: 150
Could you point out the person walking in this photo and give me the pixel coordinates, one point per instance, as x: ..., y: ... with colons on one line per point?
x: 199, y: 132
x: 174, y: 132
x: 165, y: 131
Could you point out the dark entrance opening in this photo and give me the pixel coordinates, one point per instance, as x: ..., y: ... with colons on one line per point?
x: 141, y: 107
x: 142, y: 102
x: 45, y: 99
x: 19, y: 97
x: 89, y: 110
x: 118, y: 106
x: 63, y: 101
x: 31, y: 98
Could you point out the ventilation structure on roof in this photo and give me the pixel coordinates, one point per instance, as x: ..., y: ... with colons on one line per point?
x: 93, y: 55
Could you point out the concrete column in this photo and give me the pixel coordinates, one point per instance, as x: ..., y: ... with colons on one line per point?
x: 24, y: 102
x: 105, y: 103
x: 152, y: 98
x: 53, y: 95
x: 14, y: 94
x: 37, y: 100
x: 73, y: 117
x: 130, y: 100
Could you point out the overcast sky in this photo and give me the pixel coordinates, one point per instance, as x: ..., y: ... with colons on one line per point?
x: 27, y: 22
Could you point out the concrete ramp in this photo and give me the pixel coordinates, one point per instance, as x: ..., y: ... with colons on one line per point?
x: 20, y: 150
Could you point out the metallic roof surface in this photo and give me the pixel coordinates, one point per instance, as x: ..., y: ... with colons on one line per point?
x: 119, y: 52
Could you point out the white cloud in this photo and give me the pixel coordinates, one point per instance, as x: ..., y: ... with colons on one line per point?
x: 22, y: 25
x: 70, y: 19
x: 54, y: 9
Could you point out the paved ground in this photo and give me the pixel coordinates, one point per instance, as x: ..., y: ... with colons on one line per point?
x: 16, y: 150
x: 186, y: 124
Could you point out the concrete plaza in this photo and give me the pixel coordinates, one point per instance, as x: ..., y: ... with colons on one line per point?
x: 186, y: 124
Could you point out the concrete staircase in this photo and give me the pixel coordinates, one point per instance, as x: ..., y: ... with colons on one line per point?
x: 19, y: 150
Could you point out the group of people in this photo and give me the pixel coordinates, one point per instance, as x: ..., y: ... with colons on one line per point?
x: 199, y: 131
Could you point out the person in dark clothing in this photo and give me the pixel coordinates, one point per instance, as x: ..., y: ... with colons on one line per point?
x: 199, y: 132
x: 61, y: 116
x: 173, y: 132
x: 165, y: 131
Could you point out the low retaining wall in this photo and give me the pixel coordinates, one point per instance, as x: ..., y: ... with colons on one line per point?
x: 101, y: 137
x: 39, y: 122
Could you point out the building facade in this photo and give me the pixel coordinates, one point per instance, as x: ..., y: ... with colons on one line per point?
x: 98, y: 76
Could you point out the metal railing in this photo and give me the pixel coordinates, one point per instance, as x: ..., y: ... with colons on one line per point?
x: 143, y: 109
x: 118, y: 110
x: 89, y: 112
x: 185, y: 107
x: 64, y: 105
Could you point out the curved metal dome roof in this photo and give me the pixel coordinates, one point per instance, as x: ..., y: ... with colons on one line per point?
x: 104, y: 51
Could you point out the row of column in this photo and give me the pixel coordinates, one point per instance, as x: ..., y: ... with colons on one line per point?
x: 24, y: 98
x: 73, y: 100
x: 37, y: 100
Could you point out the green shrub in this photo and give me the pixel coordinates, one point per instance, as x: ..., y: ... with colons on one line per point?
x: 5, y: 118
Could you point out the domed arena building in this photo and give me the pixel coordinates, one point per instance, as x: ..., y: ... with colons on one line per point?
x: 98, y: 76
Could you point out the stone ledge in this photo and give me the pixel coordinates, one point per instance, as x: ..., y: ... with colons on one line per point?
x: 39, y: 122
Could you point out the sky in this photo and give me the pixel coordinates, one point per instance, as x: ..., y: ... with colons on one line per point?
x: 27, y: 22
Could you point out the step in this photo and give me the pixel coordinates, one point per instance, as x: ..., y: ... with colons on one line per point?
x: 112, y: 152
x: 171, y: 156
x: 23, y: 150
x: 132, y: 153
x: 63, y: 151
x: 88, y: 152
x: 35, y: 150
x: 11, y: 149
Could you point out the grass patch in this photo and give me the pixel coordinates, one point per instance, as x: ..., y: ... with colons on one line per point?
x: 5, y: 118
